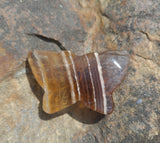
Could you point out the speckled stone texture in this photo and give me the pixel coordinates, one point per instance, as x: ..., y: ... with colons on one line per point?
x: 81, y: 26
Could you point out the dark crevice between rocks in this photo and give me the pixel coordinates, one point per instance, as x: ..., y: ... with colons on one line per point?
x: 107, y: 16
x: 149, y: 37
x: 48, y: 39
x: 145, y: 58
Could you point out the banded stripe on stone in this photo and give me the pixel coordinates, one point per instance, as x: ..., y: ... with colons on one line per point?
x: 43, y: 79
x: 102, y: 82
x: 93, y: 87
x: 97, y: 83
x: 75, y: 75
x: 69, y: 77
x: 86, y: 83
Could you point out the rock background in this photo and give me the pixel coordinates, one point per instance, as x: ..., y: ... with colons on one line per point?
x: 81, y: 26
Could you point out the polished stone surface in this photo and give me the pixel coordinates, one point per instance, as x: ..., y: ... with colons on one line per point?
x: 82, y: 27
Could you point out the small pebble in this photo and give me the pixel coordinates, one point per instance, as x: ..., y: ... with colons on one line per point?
x: 139, y: 101
x: 60, y: 6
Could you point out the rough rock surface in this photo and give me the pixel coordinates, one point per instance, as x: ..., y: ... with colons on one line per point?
x: 81, y: 26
